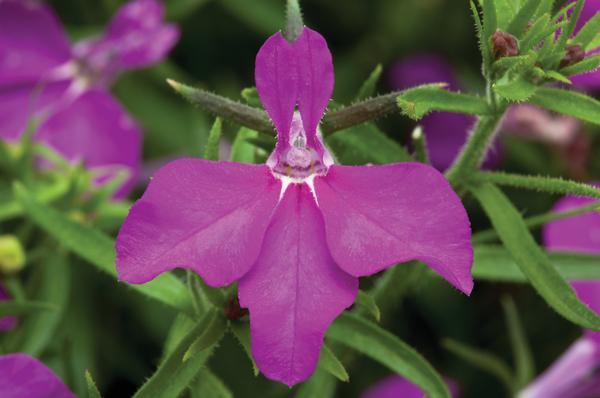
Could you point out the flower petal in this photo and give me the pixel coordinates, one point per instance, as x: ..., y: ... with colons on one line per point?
x: 315, y: 84
x: 396, y: 386
x: 276, y: 78
x: 294, y: 291
x: 588, y: 291
x: 377, y: 216
x: 32, y: 42
x: 22, y: 376
x: 580, y: 233
x: 21, y: 102
x: 7, y: 322
x: 139, y: 35
x: 207, y: 216
x: 96, y: 129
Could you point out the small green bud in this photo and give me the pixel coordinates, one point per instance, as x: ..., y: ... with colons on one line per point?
x: 12, y: 256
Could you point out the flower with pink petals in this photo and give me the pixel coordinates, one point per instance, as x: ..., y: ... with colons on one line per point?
x: 398, y: 387
x: 22, y: 376
x: 297, y: 232
x: 7, y: 322
x: 576, y: 374
x: 64, y: 87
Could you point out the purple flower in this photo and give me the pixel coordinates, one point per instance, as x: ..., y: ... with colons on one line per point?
x: 576, y: 374
x: 445, y: 132
x: 590, y: 80
x: 299, y: 231
x: 66, y: 88
x: 7, y: 322
x: 398, y: 387
x: 22, y: 376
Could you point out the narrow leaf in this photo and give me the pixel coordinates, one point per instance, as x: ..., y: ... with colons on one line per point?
x: 207, y: 384
x: 494, y: 263
x: 214, y: 139
x: 370, y: 85
x: 568, y: 103
x: 483, y: 360
x: 368, y: 303
x: 92, y: 390
x: 241, y: 150
x: 589, y: 64
x: 241, y: 331
x: 533, y: 262
x: 524, y: 367
x: 518, y: 25
x: 250, y: 95
x: 330, y: 363
x: 490, y: 19
x: 98, y: 249
x: 321, y: 384
x: 484, y: 44
x: 385, y: 348
x: 517, y: 90
x: 44, y: 193
x: 16, y: 307
x: 174, y: 375
x: 568, y: 30
x: 589, y: 32
x: 419, y: 101
x: 211, y: 335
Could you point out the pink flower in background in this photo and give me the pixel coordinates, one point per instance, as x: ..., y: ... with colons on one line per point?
x: 7, y: 322
x: 66, y: 87
x: 22, y: 376
x: 398, y: 387
x: 445, y: 132
x: 576, y: 374
x: 297, y: 232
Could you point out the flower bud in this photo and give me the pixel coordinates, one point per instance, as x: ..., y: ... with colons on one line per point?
x: 233, y: 311
x: 504, y: 45
x: 575, y: 53
x: 12, y: 256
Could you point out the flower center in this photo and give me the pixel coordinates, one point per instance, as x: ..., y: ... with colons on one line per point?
x: 296, y: 159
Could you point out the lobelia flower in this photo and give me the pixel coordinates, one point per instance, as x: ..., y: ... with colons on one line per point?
x: 576, y: 374
x: 398, y: 387
x: 297, y: 232
x: 7, y: 322
x: 22, y: 376
x: 66, y: 87
x: 445, y: 132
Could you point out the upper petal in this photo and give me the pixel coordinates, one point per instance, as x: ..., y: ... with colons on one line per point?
x: 315, y: 79
x: 276, y: 78
x: 294, y: 291
x: 580, y: 233
x: 32, y: 42
x: 206, y: 216
x: 139, y: 35
x: 22, y: 376
x: 377, y: 216
x: 96, y: 129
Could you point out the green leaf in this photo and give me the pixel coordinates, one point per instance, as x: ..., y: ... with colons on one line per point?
x: 250, y: 95
x: 546, y: 6
x: 419, y: 101
x: 484, y: 44
x: 524, y: 367
x: 210, y: 336
x: 174, y: 374
x: 559, y: 77
x: 330, y: 363
x: 483, y: 360
x: 520, y: 22
x: 368, y: 303
x: 17, y: 307
x: 588, y: 33
x: 517, y: 90
x: 366, y: 144
x: 214, y: 139
x: 568, y: 103
x: 294, y: 23
x: 505, y: 11
x: 321, y: 384
x: 241, y: 331
x: 98, y: 249
x: 534, y: 263
x: 589, y: 64
x: 208, y: 385
x: 370, y: 85
x: 556, y: 186
x: 494, y: 263
x: 536, y: 33
x: 92, y: 389
x: 44, y: 193
x: 385, y: 348
x: 53, y: 286
x: 490, y: 19
x: 241, y: 150
x: 568, y: 30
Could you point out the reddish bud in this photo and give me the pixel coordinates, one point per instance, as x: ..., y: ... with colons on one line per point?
x: 232, y: 309
x: 575, y: 53
x: 504, y: 45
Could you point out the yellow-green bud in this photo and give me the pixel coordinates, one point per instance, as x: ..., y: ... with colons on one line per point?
x: 12, y: 256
